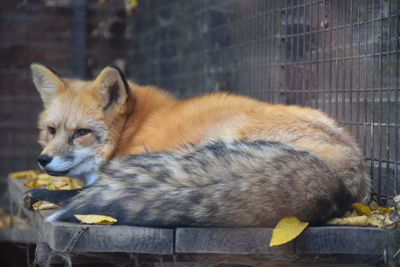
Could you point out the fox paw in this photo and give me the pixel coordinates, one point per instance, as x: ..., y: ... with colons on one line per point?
x: 32, y: 196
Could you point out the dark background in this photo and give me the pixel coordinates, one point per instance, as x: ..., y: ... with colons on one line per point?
x: 341, y: 56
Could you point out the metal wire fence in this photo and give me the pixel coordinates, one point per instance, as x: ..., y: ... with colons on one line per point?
x: 340, y: 56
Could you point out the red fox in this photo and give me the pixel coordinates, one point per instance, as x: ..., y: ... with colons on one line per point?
x: 214, y: 160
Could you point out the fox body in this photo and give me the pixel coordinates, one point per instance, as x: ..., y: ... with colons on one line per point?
x: 214, y: 160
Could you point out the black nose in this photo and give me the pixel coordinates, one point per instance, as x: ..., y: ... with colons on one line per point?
x: 44, y: 159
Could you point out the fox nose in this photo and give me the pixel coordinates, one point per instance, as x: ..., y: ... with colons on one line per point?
x: 44, y: 159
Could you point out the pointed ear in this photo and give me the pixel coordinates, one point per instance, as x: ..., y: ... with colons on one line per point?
x: 112, y: 88
x: 46, y: 82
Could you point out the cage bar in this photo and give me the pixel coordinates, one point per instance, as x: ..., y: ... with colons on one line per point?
x: 341, y: 56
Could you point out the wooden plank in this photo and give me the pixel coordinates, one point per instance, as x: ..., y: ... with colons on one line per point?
x: 75, y: 238
x: 341, y: 240
x: 228, y: 241
x: 70, y: 237
x: 314, y: 241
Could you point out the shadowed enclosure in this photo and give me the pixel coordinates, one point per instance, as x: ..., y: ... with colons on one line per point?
x: 340, y: 56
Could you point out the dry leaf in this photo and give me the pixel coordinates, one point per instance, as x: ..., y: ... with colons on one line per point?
x: 76, y: 184
x: 362, y: 209
x: 64, y: 183
x: 130, y: 5
x: 30, y: 184
x: 37, y: 179
x: 356, y: 221
x: 95, y: 219
x: 19, y: 222
x: 378, y: 209
x: 44, y: 205
x: 24, y: 174
x: 5, y: 221
x: 286, y: 230
x: 377, y: 220
x: 42, y: 180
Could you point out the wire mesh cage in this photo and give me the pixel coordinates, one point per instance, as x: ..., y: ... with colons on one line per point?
x: 340, y: 56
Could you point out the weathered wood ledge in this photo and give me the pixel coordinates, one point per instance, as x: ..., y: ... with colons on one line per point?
x: 356, y: 244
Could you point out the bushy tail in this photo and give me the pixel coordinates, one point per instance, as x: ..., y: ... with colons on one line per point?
x: 222, y: 184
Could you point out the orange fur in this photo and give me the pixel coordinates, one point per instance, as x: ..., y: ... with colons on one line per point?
x: 221, y: 116
x: 150, y: 120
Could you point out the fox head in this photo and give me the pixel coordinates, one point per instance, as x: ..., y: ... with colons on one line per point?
x: 81, y: 121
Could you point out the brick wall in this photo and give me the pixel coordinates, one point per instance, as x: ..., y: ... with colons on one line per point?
x: 40, y: 31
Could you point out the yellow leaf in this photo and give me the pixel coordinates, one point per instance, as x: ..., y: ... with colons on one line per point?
x: 30, y: 184
x: 356, y: 221
x: 24, y: 174
x: 21, y: 223
x: 362, y: 209
x: 133, y: 3
x: 44, y: 205
x: 95, y: 219
x: 378, y: 209
x: 130, y: 5
x: 286, y: 230
x: 76, y: 184
x: 377, y: 220
x: 51, y: 187
x: 60, y: 183
x: 42, y: 181
x: 5, y: 221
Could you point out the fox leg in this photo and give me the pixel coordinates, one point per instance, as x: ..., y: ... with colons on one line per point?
x: 34, y: 195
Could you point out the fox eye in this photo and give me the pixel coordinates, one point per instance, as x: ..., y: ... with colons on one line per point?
x: 51, y: 130
x: 81, y: 132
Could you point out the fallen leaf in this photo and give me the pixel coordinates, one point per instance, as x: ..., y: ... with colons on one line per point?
x: 64, y: 183
x: 42, y: 180
x: 24, y: 174
x: 130, y: 5
x: 51, y: 187
x: 362, y: 209
x: 30, y: 184
x: 76, y: 184
x: 133, y: 3
x: 375, y: 208
x: 44, y: 205
x: 5, y: 221
x: 60, y: 183
x: 356, y: 221
x: 286, y: 230
x: 19, y: 222
x: 95, y: 219
x: 377, y: 220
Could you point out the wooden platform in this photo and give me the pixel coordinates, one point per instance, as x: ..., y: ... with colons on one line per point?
x: 245, y: 246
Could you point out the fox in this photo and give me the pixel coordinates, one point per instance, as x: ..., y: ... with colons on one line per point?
x: 216, y: 160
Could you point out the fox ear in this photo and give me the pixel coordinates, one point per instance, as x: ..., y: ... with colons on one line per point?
x: 112, y: 88
x: 46, y: 82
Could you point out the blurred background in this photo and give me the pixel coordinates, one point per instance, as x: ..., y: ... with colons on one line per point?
x: 341, y: 56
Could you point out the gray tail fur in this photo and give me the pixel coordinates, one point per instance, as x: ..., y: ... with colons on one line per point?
x: 222, y: 184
